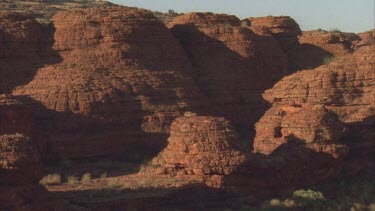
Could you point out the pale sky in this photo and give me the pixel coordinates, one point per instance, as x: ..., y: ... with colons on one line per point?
x: 345, y: 15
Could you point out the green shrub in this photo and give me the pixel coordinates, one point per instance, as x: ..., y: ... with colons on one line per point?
x: 73, y: 180
x: 328, y: 60
x: 86, y: 178
x: 103, y: 175
x: 309, y: 198
x: 51, y: 179
x: 335, y: 30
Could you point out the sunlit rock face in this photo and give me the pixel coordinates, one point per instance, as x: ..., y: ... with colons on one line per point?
x: 121, y: 77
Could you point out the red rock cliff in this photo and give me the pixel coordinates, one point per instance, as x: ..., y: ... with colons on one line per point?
x: 122, y: 75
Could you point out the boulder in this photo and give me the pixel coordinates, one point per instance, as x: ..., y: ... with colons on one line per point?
x: 203, y: 146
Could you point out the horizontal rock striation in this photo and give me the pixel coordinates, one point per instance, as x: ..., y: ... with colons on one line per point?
x: 231, y: 64
x: 305, y: 124
x: 367, y: 38
x: 201, y: 146
x: 346, y: 86
x: 122, y: 75
x: 318, y: 117
x: 23, y: 49
x: 21, y: 165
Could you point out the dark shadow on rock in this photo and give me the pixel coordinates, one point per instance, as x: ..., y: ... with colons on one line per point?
x: 289, y: 166
x: 359, y: 137
x: 233, y: 83
x: 308, y: 56
x: 79, y: 144
x: 20, y: 61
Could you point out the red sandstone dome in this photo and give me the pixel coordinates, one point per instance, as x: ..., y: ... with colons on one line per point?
x: 203, y: 146
x: 278, y: 25
x: 122, y: 75
x: 231, y: 64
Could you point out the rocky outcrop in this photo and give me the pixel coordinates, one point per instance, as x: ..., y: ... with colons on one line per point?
x: 22, y: 46
x: 16, y: 118
x: 202, y: 146
x: 336, y: 43
x: 279, y: 26
x: 205, y: 19
x: 305, y: 50
x: 367, y: 38
x: 122, y: 75
x: 317, y: 117
x: 21, y: 161
x: 286, y: 31
x: 166, y: 18
x: 345, y: 85
x: 306, y: 124
x: 231, y: 64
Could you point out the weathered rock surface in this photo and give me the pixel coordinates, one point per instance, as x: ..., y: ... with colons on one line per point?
x: 231, y: 64
x: 316, y: 117
x: 122, y: 75
x: 21, y: 166
x: 301, y: 144
x: 202, y: 146
x: 307, y: 124
x: 15, y: 118
x: 367, y: 38
x: 336, y: 43
x: 205, y: 19
x: 280, y: 26
x: 22, y: 47
x: 346, y: 86
x: 20, y: 160
x: 285, y: 30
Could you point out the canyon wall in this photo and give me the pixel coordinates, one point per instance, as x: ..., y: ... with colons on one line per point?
x: 121, y: 76
x: 110, y: 82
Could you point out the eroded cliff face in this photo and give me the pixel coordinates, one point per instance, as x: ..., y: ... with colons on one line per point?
x: 231, y: 64
x: 327, y: 111
x: 23, y: 49
x: 21, y: 165
x: 337, y: 43
x: 109, y: 82
x: 367, y: 38
x: 122, y: 75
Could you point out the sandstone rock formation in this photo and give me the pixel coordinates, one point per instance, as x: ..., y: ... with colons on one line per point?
x: 22, y: 46
x: 21, y: 161
x: 311, y: 125
x: 206, y: 19
x: 284, y: 29
x: 16, y: 118
x: 122, y: 75
x: 280, y: 26
x: 317, y: 116
x: 43, y: 10
x: 345, y: 86
x: 336, y: 43
x: 231, y: 64
x: 202, y: 146
x: 305, y: 50
x: 319, y: 47
x: 367, y: 38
